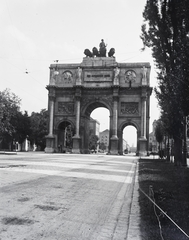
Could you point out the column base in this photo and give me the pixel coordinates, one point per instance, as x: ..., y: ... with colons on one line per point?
x: 50, y: 144
x: 76, y: 144
x: 142, y: 146
x: 49, y: 150
x: 114, y: 145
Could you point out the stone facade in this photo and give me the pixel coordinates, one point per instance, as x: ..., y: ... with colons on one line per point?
x: 104, y: 138
x: 75, y: 90
x: 94, y: 127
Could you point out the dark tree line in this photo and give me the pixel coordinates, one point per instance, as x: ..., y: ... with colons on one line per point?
x: 166, y: 32
x: 16, y: 126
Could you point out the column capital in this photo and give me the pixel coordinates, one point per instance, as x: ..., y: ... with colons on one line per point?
x: 52, y: 98
x: 77, y: 97
x: 144, y: 96
x: 52, y: 94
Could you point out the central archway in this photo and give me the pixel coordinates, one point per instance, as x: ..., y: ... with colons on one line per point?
x: 85, y: 129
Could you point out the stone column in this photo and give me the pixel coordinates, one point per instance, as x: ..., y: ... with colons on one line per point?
x: 77, y: 117
x: 51, y: 117
x: 50, y: 138
x: 143, y: 122
x: 115, y: 105
x: 114, y: 138
x: 143, y: 140
x: 76, y: 137
x: 120, y: 142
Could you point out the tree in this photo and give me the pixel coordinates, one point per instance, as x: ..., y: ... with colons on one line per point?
x: 102, y: 146
x: 159, y: 134
x: 22, y: 126
x: 69, y: 135
x: 38, y: 123
x: 166, y: 32
x: 93, y: 142
x: 10, y: 106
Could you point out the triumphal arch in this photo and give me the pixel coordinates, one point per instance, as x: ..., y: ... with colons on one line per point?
x: 75, y: 90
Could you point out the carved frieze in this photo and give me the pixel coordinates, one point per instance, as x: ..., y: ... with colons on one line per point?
x: 131, y: 108
x: 107, y: 99
x: 65, y: 108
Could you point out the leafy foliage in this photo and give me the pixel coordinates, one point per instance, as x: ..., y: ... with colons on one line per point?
x: 69, y: 135
x: 10, y: 105
x: 38, y: 123
x: 17, y: 126
x: 102, y: 146
x: 93, y: 142
x: 159, y: 132
x: 21, y: 122
x: 166, y: 32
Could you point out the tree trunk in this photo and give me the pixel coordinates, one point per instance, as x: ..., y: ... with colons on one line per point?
x: 168, y: 150
x: 177, y: 151
x: 184, y: 159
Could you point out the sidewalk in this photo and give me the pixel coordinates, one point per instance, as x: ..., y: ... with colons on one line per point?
x: 134, y: 222
x: 170, y: 187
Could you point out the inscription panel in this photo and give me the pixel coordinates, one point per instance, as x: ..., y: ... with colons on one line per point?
x: 131, y: 108
x: 100, y: 76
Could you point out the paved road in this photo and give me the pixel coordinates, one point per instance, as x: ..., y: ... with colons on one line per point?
x: 65, y: 197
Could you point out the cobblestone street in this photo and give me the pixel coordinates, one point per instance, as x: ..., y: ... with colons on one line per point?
x: 65, y: 196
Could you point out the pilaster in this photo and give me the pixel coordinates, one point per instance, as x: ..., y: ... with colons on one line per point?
x: 142, y: 139
x: 76, y: 138
x: 50, y: 138
x: 114, y: 139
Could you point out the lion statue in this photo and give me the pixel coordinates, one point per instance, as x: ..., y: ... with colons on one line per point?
x: 88, y: 53
x: 96, y: 52
x: 111, y: 52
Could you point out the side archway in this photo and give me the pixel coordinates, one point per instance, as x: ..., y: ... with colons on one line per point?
x: 120, y: 134
x: 65, y: 132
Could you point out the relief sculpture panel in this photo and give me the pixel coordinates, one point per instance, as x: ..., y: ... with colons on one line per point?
x: 67, y: 77
x: 131, y: 108
x: 65, y: 108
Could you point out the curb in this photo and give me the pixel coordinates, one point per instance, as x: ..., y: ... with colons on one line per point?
x: 8, y: 153
x: 134, y: 232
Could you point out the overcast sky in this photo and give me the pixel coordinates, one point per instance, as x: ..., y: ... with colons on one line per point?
x: 35, y: 33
